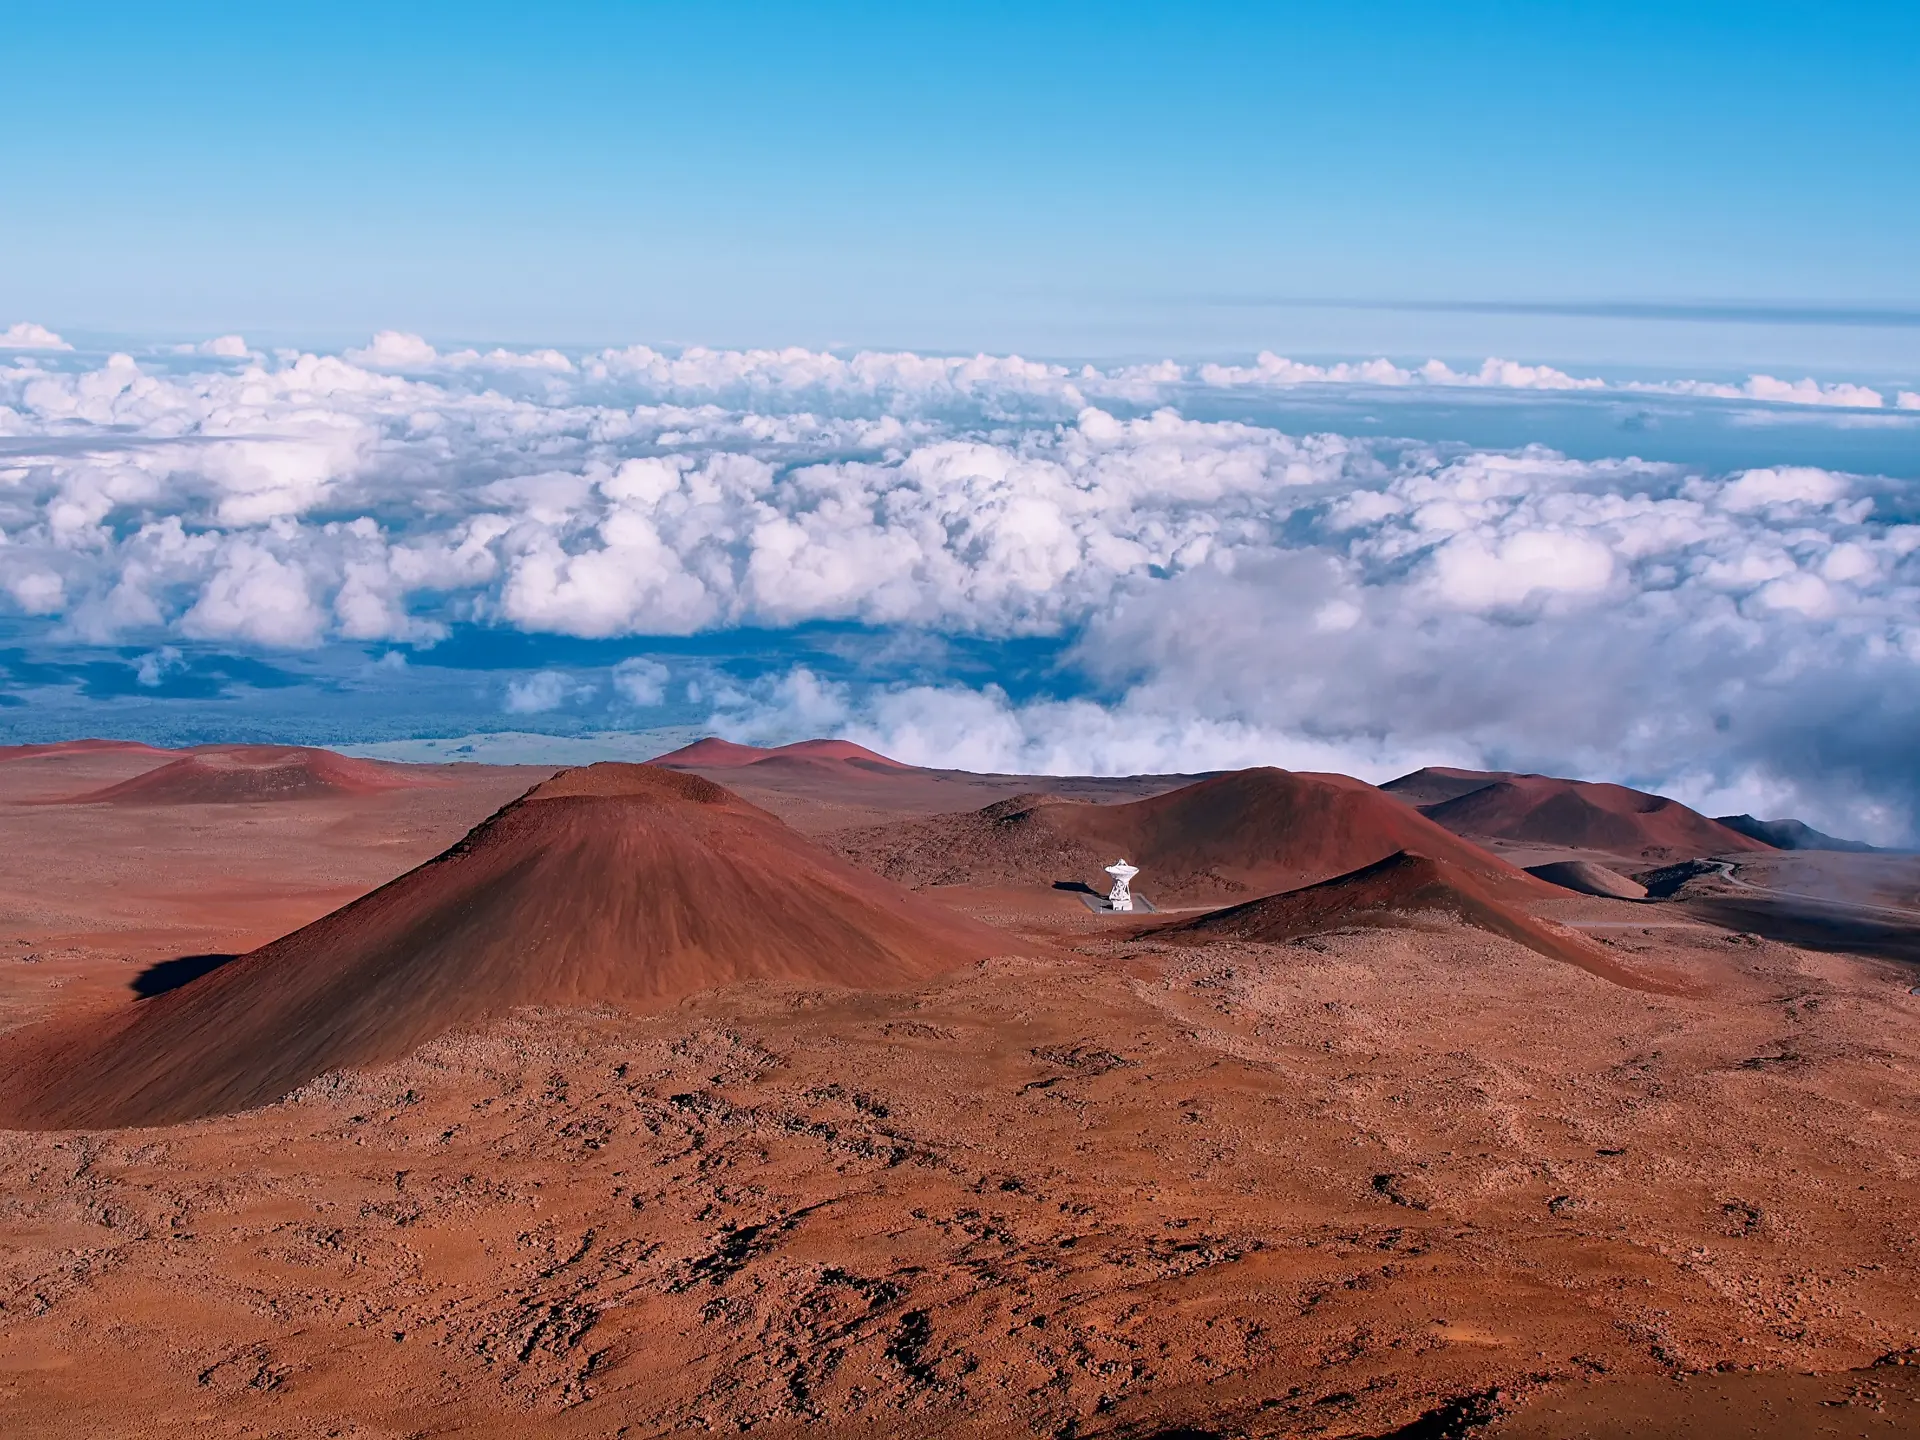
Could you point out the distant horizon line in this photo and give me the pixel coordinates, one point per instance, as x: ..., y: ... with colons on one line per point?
x: 1896, y: 315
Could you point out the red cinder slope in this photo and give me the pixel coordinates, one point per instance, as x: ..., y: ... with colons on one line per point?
x: 1394, y: 892
x: 235, y: 774
x: 1580, y: 815
x: 621, y: 884
x: 1249, y: 831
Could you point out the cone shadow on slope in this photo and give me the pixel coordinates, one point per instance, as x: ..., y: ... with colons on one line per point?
x: 619, y: 884
x: 1395, y: 893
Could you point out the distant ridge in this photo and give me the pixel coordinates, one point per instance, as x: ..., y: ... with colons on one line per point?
x: 714, y: 753
x: 1577, y: 814
x: 241, y: 774
x: 612, y: 884
x: 1792, y: 835
x: 77, y: 747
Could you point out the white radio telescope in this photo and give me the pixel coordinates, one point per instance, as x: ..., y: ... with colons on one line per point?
x: 1120, y: 897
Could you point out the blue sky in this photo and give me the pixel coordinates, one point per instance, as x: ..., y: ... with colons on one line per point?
x: 1058, y: 179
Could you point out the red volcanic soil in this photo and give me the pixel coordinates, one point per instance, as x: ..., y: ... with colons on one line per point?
x: 714, y: 753
x: 1586, y: 816
x: 234, y: 774
x: 1392, y: 893
x: 1254, y: 831
x: 1379, y: 1182
x: 615, y: 883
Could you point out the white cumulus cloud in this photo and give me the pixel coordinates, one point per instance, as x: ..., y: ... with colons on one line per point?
x: 542, y: 691
x: 1222, y: 590
x: 25, y: 335
x: 641, y: 682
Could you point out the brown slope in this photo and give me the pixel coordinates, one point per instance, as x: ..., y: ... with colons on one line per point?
x: 620, y: 884
x: 1581, y: 815
x: 1246, y: 831
x: 1394, y: 892
x: 236, y: 774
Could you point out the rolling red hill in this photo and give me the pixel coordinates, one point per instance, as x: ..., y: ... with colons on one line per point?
x: 1394, y: 892
x: 1246, y: 832
x: 623, y: 884
x: 236, y: 774
x: 77, y: 747
x: 1577, y: 814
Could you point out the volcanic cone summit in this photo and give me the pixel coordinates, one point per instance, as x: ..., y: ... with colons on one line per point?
x: 622, y: 884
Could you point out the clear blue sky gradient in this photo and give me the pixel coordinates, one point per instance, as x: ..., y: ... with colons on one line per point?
x: 1060, y: 178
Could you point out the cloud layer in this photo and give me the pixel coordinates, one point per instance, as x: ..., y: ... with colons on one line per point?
x: 1224, y: 592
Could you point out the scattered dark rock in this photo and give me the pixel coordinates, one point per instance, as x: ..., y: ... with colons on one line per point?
x: 1457, y: 1418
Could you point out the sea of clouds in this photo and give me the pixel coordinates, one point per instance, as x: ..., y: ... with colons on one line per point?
x: 1220, y: 592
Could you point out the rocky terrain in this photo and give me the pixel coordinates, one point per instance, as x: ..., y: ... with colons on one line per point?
x: 1317, y: 1175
